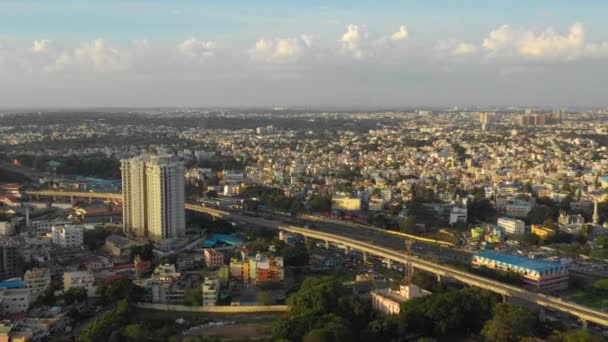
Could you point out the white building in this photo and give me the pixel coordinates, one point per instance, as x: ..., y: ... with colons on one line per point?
x: 46, y: 226
x: 37, y: 280
x: 14, y: 300
x: 458, y: 214
x: 210, y: 288
x: 389, y: 301
x: 6, y: 228
x: 80, y: 279
x: 153, y: 197
x: 511, y: 226
x: 67, y: 236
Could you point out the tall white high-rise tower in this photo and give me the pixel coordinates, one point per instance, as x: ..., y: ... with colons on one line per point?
x: 153, y: 197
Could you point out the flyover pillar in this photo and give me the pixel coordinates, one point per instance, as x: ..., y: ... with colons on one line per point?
x: 346, y: 250
x: 439, y: 278
x: 389, y: 263
x: 326, y: 244
x: 583, y: 324
x: 364, y: 256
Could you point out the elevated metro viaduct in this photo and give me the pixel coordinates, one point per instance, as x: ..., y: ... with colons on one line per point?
x: 585, y: 314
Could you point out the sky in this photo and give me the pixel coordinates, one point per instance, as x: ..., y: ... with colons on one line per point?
x: 136, y: 53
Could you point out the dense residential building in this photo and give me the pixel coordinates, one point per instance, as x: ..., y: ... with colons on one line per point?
x: 210, y: 288
x: 213, y: 258
x: 511, y: 226
x: 538, y: 275
x: 153, y: 197
x: 257, y: 269
x: 80, y: 279
x: 10, y: 259
x: 67, y: 236
x: 37, y: 280
x: 14, y: 300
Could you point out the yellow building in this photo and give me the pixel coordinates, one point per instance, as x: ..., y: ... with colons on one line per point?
x: 541, y: 231
x: 346, y: 203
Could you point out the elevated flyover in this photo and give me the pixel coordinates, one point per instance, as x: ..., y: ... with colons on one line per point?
x: 74, y: 194
x: 586, y: 314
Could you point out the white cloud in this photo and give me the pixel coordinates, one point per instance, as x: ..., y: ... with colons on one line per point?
x: 498, y: 38
x: 281, y: 50
x: 197, y: 49
x: 41, y: 46
x: 97, y: 55
x: 402, y: 34
x: 551, y: 44
x: 506, y: 42
x: 354, y: 40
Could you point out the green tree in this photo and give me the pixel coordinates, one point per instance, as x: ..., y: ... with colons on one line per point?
x: 47, y: 297
x: 145, y: 252
x: 264, y: 298
x: 133, y: 332
x: 509, y: 323
x: 601, y: 284
x: 75, y: 294
x: 408, y: 225
x: 320, y: 203
x: 549, y: 223
x: 211, y: 194
x: 296, y: 255
x: 447, y: 314
x: 105, y: 324
x: 578, y: 336
x: 115, y: 290
x: 539, y: 214
x: 193, y: 297
x: 529, y: 239
x: 601, y: 241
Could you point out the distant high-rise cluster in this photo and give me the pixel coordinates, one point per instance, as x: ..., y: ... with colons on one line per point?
x: 486, y: 119
x: 530, y: 119
x: 153, y: 197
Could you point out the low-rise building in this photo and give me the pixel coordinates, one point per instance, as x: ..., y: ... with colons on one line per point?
x: 389, y: 301
x: 542, y: 232
x: 14, y: 300
x: 80, y: 279
x: 458, y: 214
x: 6, y: 228
x: 120, y: 246
x: 539, y: 275
x: 67, y: 236
x: 37, y: 280
x: 46, y: 226
x: 213, y: 258
x: 346, y: 203
x: 511, y: 226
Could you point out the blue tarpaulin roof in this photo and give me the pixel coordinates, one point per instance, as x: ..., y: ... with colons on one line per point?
x: 519, y: 261
x: 12, y: 284
x: 224, y: 238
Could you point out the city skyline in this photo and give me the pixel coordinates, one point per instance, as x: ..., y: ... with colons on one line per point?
x: 187, y: 53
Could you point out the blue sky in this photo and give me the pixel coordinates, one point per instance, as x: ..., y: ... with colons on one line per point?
x: 285, y: 44
x: 124, y: 19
